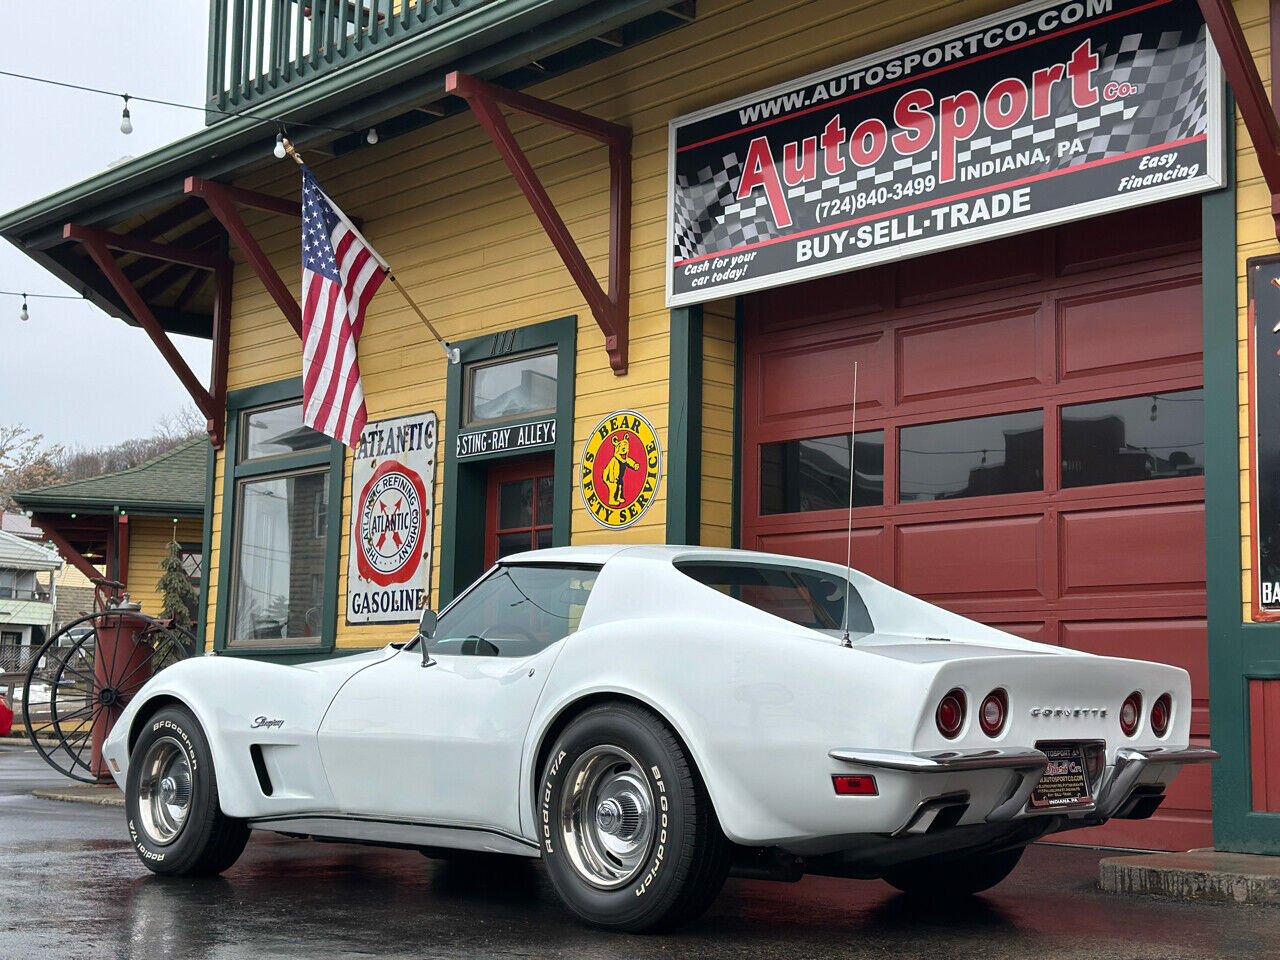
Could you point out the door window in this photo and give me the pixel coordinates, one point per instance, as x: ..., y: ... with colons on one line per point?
x: 520, y: 508
x: 516, y: 611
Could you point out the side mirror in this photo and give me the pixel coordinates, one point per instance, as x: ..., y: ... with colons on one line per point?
x: 426, y: 630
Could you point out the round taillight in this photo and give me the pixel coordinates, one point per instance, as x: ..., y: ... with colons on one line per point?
x: 1130, y: 711
x: 993, y: 713
x: 950, y: 714
x: 1161, y: 711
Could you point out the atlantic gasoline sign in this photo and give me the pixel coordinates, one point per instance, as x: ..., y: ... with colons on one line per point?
x: 620, y: 470
x: 392, y: 500
x: 1038, y: 115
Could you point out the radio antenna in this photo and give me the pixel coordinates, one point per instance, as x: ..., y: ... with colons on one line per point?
x: 848, y: 537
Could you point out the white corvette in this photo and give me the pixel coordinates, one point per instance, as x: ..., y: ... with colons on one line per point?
x: 644, y: 719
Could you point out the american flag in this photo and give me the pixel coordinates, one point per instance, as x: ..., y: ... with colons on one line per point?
x: 340, y: 274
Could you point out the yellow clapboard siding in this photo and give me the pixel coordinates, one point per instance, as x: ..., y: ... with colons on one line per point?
x: 148, y: 543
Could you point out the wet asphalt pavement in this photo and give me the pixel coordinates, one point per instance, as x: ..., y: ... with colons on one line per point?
x: 71, y: 887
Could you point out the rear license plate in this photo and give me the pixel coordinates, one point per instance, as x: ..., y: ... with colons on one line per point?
x: 1064, y: 783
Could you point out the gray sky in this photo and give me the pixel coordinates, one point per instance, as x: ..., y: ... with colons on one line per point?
x: 51, y: 368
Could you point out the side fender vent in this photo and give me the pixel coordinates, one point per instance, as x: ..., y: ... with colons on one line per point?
x: 260, y: 768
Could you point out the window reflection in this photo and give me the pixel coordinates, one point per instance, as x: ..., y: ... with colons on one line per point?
x: 1150, y: 437
x: 972, y: 458
x: 511, y: 389
x: 797, y: 476
x: 279, y: 560
x: 275, y: 430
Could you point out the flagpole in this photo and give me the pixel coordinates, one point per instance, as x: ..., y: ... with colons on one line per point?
x: 451, y: 353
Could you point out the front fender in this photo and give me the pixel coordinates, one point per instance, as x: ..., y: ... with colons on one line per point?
x: 233, y: 699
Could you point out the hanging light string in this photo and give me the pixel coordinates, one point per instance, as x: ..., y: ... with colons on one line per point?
x: 24, y: 314
x: 126, y: 121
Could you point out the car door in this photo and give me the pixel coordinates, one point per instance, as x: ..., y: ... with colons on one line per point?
x: 443, y: 743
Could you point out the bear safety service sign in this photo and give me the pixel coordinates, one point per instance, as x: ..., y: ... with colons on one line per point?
x: 1037, y: 115
x: 392, y: 506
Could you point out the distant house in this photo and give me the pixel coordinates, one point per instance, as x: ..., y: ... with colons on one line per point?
x: 119, y: 525
x: 26, y: 605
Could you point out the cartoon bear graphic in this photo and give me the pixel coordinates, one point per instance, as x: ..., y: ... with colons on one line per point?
x: 616, y: 470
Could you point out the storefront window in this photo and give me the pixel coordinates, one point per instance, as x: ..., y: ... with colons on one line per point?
x: 510, y: 389
x: 280, y: 530
x: 798, y: 476
x: 972, y: 458
x: 272, y: 431
x: 1150, y: 437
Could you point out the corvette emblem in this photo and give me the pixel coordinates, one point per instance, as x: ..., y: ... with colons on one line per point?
x: 1068, y: 711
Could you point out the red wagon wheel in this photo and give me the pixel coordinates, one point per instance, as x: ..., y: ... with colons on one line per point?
x: 84, y: 676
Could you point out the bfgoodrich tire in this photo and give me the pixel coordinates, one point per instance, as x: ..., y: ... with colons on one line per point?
x: 629, y: 837
x: 171, y: 799
x: 956, y: 879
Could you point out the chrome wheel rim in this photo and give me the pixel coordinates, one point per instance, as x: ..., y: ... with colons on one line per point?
x: 607, y: 817
x: 164, y: 791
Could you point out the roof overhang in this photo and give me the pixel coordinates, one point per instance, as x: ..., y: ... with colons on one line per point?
x: 499, y: 42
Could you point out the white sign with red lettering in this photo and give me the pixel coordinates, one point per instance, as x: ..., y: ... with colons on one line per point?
x: 392, y: 500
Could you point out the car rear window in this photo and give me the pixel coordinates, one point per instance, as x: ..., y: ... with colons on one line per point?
x: 800, y: 595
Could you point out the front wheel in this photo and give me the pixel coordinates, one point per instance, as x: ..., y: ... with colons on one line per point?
x: 628, y: 833
x: 956, y: 879
x: 171, y: 799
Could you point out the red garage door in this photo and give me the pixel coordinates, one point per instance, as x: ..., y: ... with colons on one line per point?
x: 1029, y: 449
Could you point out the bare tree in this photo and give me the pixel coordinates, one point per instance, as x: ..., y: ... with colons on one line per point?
x: 25, y: 462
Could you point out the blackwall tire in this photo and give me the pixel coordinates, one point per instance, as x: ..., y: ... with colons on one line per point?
x: 956, y: 879
x: 628, y: 834
x: 171, y: 801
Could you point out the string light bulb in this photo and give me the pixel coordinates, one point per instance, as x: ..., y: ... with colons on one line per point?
x: 372, y: 136
x: 126, y: 123
x: 23, y: 314
x: 279, y: 150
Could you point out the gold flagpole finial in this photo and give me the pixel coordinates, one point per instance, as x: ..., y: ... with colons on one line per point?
x: 289, y: 149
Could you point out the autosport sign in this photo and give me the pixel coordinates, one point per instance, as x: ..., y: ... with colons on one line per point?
x: 1037, y: 115
x: 392, y: 498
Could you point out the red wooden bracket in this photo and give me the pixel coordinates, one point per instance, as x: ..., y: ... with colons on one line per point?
x: 69, y: 553
x: 1251, y: 96
x: 612, y: 309
x: 100, y: 243
x: 222, y: 201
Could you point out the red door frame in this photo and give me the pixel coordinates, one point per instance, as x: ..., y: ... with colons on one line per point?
x: 511, y: 471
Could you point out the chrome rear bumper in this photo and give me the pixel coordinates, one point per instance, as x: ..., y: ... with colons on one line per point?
x: 1118, y: 780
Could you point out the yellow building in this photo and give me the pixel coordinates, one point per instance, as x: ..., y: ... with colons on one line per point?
x: 118, y: 526
x: 659, y: 237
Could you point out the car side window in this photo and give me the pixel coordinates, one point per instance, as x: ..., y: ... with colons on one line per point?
x: 516, y: 611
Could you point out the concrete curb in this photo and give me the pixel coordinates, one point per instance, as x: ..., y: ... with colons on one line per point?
x: 22, y: 741
x: 1199, y: 875
x: 86, y: 793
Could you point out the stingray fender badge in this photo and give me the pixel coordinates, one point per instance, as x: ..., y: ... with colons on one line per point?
x: 391, y: 506
x: 620, y: 469
x: 265, y: 722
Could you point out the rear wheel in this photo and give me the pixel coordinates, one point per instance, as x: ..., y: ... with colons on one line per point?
x: 956, y: 879
x: 628, y: 833
x: 171, y: 799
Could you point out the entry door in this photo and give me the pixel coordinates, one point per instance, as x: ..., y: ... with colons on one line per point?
x: 520, y: 507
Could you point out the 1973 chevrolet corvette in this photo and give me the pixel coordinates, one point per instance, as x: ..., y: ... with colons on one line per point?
x: 646, y: 719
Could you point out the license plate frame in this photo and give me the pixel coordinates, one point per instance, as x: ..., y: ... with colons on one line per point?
x: 1065, y: 785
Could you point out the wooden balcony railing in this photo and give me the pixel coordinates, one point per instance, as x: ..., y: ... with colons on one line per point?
x: 260, y: 48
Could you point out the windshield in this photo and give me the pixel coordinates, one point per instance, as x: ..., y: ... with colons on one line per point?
x: 516, y: 611
x: 803, y: 596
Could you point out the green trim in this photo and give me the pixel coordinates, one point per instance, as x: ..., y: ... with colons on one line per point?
x: 462, y: 529
x: 735, y: 512
x: 335, y: 458
x: 1238, y: 651
x: 206, y: 545
x: 684, y: 439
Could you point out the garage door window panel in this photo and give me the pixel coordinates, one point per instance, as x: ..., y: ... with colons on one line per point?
x: 982, y: 456
x: 1157, y: 436
x: 801, y: 476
